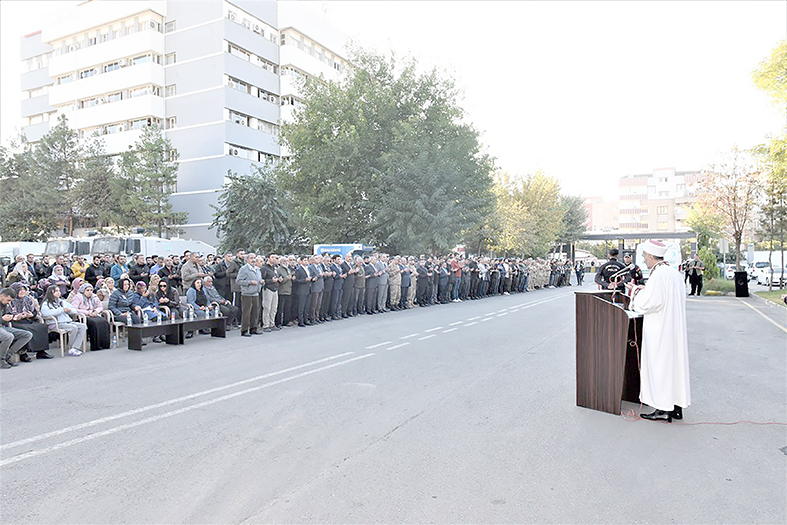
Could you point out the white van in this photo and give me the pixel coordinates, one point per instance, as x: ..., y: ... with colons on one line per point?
x: 132, y: 244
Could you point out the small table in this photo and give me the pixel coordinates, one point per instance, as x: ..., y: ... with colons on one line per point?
x: 172, y: 331
x: 217, y: 325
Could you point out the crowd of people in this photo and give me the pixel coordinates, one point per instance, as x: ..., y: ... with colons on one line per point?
x: 258, y: 294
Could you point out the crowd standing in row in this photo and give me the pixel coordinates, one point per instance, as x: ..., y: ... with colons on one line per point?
x: 258, y: 293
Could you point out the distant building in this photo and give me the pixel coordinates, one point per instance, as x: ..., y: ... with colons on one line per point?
x: 218, y: 77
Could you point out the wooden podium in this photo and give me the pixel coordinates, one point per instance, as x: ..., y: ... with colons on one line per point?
x: 607, y: 370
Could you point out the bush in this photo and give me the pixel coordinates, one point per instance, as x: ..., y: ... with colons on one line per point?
x: 708, y: 258
x: 718, y: 285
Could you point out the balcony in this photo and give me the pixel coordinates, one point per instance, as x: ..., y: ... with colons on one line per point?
x: 114, y: 81
x: 121, y: 111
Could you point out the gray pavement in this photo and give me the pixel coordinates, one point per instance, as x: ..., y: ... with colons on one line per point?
x: 463, y: 413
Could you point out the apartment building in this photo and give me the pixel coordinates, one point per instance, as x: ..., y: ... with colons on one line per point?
x: 218, y: 77
x: 653, y: 202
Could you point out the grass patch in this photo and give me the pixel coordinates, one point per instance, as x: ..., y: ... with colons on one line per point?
x: 774, y: 296
x: 722, y: 286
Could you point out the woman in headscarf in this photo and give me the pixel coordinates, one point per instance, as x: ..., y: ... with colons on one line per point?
x: 27, y: 316
x: 76, y: 284
x: 54, y: 306
x: 121, y: 302
x: 87, y: 303
x: 21, y: 274
x: 59, y: 279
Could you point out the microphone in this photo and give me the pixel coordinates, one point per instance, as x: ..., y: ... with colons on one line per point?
x: 622, y: 271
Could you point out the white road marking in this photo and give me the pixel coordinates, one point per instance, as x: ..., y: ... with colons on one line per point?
x: 378, y: 345
x: 449, y: 330
x: 501, y: 315
x: 394, y: 347
x: 487, y: 319
x: 409, y: 336
x: 474, y: 318
x: 490, y: 313
x: 433, y: 329
x: 165, y: 415
x: 456, y: 323
x: 471, y: 324
x: 427, y: 337
x: 777, y: 325
x: 503, y: 310
x: 166, y: 403
x: 514, y: 310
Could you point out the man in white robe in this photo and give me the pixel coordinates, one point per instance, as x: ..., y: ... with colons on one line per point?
x: 664, y: 363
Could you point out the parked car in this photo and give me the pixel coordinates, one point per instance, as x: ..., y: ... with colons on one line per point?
x: 729, y: 273
x: 763, y: 274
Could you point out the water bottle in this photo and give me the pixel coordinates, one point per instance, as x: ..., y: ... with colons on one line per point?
x: 128, y: 318
x: 145, y: 320
x: 114, y: 341
x: 172, y: 318
x: 218, y: 312
x: 160, y: 317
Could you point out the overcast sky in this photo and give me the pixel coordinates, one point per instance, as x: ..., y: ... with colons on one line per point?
x: 585, y: 91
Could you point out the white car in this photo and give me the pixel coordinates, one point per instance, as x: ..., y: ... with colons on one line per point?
x: 729, y: 273
x: 763, y: 274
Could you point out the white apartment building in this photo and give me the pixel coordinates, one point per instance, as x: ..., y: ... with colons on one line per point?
x: 219, y: 77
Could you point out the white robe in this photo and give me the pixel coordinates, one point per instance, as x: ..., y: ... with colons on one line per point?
x: 664, y: 368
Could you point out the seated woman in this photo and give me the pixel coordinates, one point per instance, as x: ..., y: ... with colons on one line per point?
x: 198, y: 301
x: 168, y: 296
x: 146, y: 300
x: 88, y: 304
x: 121, y: 302
x: 26, y: 314
x: 21, y: 274
x: 54, y: 306
x: 59, y: 279
x: 103, y: 289
x: 76, y: 284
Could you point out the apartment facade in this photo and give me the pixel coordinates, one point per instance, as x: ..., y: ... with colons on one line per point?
x: 647, y: 203
x: 218, y: 77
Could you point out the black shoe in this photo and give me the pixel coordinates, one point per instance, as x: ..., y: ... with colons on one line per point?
x: 25, y: 358
x: 277, y: 327
x: 677, y: 412
x: 267, y: 330
x: 255, y: 332
x: 245, y: 334
x: 44, y: 355
x: 189, y: 335
x: 301, y: 325
x: 658, y: 415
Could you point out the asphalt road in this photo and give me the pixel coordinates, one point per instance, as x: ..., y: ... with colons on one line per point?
x: 463, y: 413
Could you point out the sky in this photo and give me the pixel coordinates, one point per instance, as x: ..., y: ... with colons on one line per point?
x: 586, y: 92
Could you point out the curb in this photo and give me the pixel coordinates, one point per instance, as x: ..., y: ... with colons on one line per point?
x: 766, y: 301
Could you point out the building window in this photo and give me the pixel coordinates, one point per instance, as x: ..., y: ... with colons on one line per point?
x: 169, y: 26
x: 145, y: 90
x: 237, y: 84
x: 171, y: 90
x: 238, y: 118
x: 65, y: 79
x: 115, y: 97
x: 267, y: 127
x: 663, y: 226
x: 87, y: 73
x: 663, y: 194
x: 172, y: 122
x: 114, y: 128
x: 169, y: 59
x: 661, y: 210
x: 139, y: 123
x: 111, y: 67
x: 238, y: 52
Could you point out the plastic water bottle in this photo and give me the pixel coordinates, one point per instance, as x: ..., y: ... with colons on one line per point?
x: 160, y: 317
x: 114, y: 341
x: 145, y: 320
x: 128, y: 318
x: 218, y: 312
x: 172, y: 318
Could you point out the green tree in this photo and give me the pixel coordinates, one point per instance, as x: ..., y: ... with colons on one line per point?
x: 771, y: 75
x: 772, y: 159
x: 731, y: 188
x: 56, y: 162
x: 252, y: 213
x: 706, y: 222
x: 30, y: 205
x: 709, y: 259
x: 575, y: 215
x: 529, y: 213
x: 383, y: 156
x: 93, y: 194
x: 148, y: 175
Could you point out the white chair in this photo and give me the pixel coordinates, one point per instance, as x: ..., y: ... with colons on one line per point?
x: 62, y: 332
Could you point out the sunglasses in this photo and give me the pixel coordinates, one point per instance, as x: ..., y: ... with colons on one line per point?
x: 162, y: 285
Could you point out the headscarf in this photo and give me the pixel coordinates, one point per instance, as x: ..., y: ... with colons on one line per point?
x: 77, y: 283
x: 22, y: 304
x: 92, y: 301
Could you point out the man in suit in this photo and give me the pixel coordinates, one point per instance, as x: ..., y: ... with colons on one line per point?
x: 372, y: 281
x: 360, y: 287
x: 404, y: 270
x: 318, y: 288
x: 338, y: 285
x: 232, y: 274
x: 348, y: 286
x: 302, y: 288
x: 382, y: 288
x: 328, y: 276
x: 421, y: 282
x: 221, y: 278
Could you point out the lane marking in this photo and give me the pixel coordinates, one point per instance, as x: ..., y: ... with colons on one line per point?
x: 490, y: 313
x: 471, y: 324
x: 486, y: 319
x: 165, y: 415
x: 427, y: 337
x: 166, y: 403
x: 449, y: 330
x: 514, y: 310
x: 503, y: 310
x: 394, y: 347
x: 474, y: 318
x: 456, y: 323
x: 501, y: 315
x: 777, y: 325
x: 379, y: 345
x: 433, y: 329
x: 409, y: 336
